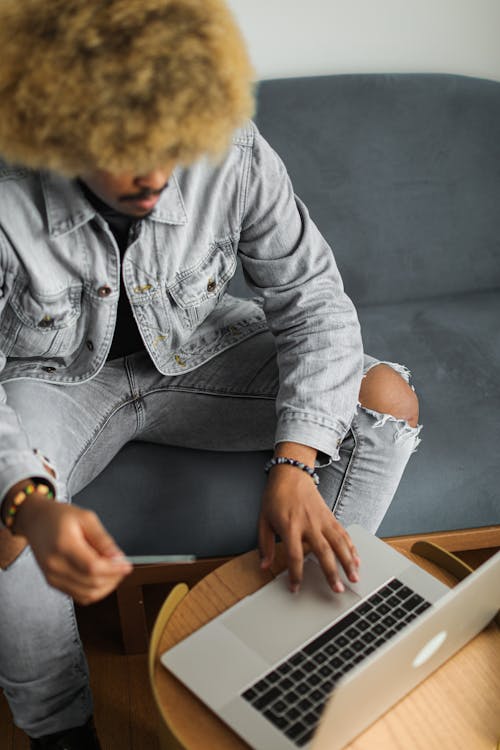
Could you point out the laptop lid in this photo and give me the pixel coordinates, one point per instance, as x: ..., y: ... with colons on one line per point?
x: 375, y: 685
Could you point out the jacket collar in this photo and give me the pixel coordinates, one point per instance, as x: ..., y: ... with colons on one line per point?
x: 67, y: 208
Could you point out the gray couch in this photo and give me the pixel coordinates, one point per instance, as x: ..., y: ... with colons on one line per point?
x: 402, y: 175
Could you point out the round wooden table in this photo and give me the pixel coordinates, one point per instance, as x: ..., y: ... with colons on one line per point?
x: 457, y: 707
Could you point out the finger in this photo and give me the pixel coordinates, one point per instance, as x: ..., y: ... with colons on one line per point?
x: 325, y: 555
x: 295, y: 557
x: 82, y: 574
x: 98, y: 537
x: 341, y: 544
x: 82, y: 592
x: 267, y: 543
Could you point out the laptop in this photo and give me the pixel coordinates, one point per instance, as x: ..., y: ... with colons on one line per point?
x: 313, y: 669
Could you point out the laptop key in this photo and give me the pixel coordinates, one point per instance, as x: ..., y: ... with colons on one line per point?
x: 352, y: 633
x: 297, y: 675
x: 296, y: 730
x: 394, y: 584
x: 389, y: 621
x: 320, y: 657
x: 279, y: 707
x: 278, y: 721
x: 285, y: 684
x: 305, y: 704
x: 292, y: 714
x: 302, y: 688
x: 412, y: 603
x: 422, y: 608
x: 316, y: 696
x: 363, y: 625
x: 404, y: 593
x: 261, y: 685
x: 306, y: 737
x: 273, y: 677
x: 313, y: 679
x: 330, y: 634
x: 250, y: 694
x: 311, y: 719
x: 266, y: 698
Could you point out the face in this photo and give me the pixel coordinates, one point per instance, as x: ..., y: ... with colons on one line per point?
x: 135, y: 195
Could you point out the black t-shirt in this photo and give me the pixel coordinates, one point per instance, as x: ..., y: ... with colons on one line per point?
x: 126, y: 337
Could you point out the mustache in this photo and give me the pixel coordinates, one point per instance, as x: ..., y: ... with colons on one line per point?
x: 142, y: 194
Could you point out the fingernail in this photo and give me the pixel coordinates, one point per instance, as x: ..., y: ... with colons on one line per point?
x: 353, y: 576
x: 294, y: 588
x: 263, y: 562
x: 339, y: 587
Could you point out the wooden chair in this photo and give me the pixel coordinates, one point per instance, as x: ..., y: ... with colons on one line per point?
x: 166, y: 738
x: 130, y: 595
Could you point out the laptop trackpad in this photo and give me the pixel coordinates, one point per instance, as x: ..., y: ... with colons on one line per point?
x: 275, y: 622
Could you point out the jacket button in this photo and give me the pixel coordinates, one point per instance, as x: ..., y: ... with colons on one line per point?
x: 45, y: 322
x: 104, y: 291
x: 49, y: 369
x: 89, y: 345
x: 211, y: 285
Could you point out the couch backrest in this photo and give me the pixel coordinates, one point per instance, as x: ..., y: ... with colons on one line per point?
x: 400, y: 172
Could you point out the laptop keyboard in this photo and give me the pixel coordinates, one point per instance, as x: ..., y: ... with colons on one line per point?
x: 293, y: 694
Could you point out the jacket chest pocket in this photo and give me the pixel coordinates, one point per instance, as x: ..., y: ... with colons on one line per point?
x: 40, y: 325
x: 199, y: 289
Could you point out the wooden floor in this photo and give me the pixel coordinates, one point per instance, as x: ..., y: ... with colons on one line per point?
x: 124, y: 710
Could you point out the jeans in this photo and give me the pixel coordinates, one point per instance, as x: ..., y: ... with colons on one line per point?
x: 226, y: 404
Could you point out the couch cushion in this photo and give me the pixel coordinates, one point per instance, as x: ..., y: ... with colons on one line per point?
x: 452, y: 345
x: 161, y: 500
x: 400, y: 172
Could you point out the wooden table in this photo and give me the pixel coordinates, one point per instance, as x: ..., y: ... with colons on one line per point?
x: 457, y: 708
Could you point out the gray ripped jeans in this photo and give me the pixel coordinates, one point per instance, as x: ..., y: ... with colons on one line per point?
x: 226, y: 404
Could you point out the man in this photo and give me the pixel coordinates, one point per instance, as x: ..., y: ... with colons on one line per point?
x: 118, y: 237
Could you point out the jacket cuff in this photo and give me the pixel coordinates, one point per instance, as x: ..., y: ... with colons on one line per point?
x: 26, y: 465
x: 304, y: 429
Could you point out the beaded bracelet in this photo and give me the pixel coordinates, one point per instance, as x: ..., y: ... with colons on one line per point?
x: 293, y: 462
x: 21, y: 496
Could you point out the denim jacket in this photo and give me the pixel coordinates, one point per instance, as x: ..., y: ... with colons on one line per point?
x: 60, y: 280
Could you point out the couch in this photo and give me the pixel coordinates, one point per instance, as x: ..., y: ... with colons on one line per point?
x: 402, y: 175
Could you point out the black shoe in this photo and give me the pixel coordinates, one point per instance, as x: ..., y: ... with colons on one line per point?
x: 80, y: 738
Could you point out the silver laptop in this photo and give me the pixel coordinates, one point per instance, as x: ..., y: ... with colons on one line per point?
x: 316, y: 668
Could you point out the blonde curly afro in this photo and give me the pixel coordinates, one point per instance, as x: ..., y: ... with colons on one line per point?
x: 120, y: 85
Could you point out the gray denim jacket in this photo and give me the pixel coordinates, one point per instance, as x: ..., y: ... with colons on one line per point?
x: 59, y: 286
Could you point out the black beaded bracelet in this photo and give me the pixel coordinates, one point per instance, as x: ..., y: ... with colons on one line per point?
x: 292, y: 462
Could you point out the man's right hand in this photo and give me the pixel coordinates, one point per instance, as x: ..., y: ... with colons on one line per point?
x: 74, y: 551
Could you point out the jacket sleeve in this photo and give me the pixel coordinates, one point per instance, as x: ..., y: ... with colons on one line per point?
x: 288, y: 263
x: 18, y: 458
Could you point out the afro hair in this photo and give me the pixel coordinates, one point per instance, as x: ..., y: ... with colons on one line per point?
x: 119, y: 85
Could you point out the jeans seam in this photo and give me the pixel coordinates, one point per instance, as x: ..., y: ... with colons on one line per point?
x: 95, y: 435
x: 209, y: 391
x: 344, y: 487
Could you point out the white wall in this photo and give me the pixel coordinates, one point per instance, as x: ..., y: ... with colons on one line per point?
x: 309, y: 37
